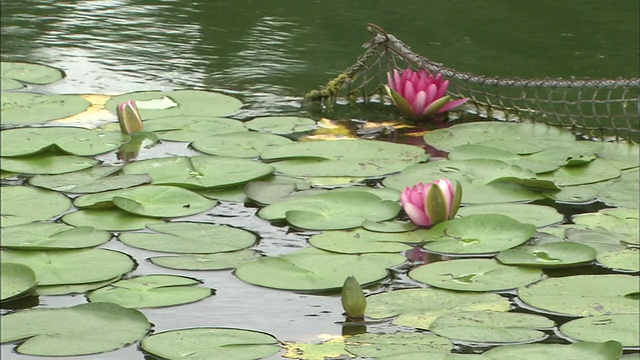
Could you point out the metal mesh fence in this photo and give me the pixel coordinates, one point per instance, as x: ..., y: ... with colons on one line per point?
x: 597, y: 108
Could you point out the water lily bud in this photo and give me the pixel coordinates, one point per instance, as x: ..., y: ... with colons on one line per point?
x: 129, y: 117
x: 419, y: 94
x: 353, y: 300
x: 432, y: 203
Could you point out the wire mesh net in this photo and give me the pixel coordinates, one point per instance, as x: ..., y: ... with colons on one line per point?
x: 597, y: 108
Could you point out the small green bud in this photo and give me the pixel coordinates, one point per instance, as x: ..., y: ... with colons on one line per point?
x: 353, y: 300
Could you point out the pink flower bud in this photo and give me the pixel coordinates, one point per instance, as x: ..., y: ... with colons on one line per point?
x: 429, y: 204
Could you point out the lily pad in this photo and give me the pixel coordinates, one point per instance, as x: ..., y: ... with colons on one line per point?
x: 474, y: 275
x: 370, y: 345
x: 72, y: 266
x: 109, y: 219
x: 316, y: 270
x: 73, y: 289
x: 556, y: 254
x: 211, y: 343
x: 22, y: 204
x: 23, y: 108
x: 16, y: 280
x: 190, y: 238
x: 610, y: 350
x: 392, y: 226
x: 537, y: 215
x: 200, y: 172
x: 600, y: 239
x: 205, y: 262
x: 418, y: 308
x: 72, y: 140
x: 47, y: 164
x: 492, y: 327
x: 10, y: 84
x: 30, y: 73
x: 332, y: 210
x: 192, y: 128
x: 584, y: 295
x: 241, y: 145
x: 359, y: 242
x: 151, y: 291
x: 157, y: 104
x: 621, y: 260
x: 623, y: 155
x: 623, y: 328
x: 51, y: 236
x: 623, y: 191
x: 79, y: 330
x: 477, y: 234
x: 361, y: 158
x: 621, y: 221
x: 93, y: 180
x: 592, y: 172
x: 281, y: 124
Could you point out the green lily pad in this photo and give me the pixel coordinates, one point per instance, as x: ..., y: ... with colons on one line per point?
x: 157, y: 104
x: 592, y: 172
x: 30, y: 73
x: 51, y: 236
x: 316, y: 270
x: 621, y: 221
x: 73, y: 289
x: 584, y: 295
x: 332, y: 210
x: 474, y: 275
x: 93, y: 180
x: 369, y: 345
x: 577, y: 194
x: 190, y: 238
x: 72, y: 266
x: 72, y: 140
x: 22, y: 204
x: 362, y: 158
x: 610, y: 350
x: 199, y: 172
x: 600, y: 239
x: 192, y: 128
x: 556, y: 254
x: 230, y: 194
x: 332, y: 348
x: 79, y: 330
x: 47, y: 164
x: 211, y: 343
x: 435, y: 356
x: 109, y: 219
x: 623, y: 155
x: 392, y: 226
x: 10, y: 84
x: 537, y: 215
x: 16, y: 280
x: 241, y: 145
x: 266, y: 193
x: 418, y: 308
x: 621, y: 260
x: 23, y: 108
x: 281, y: 124
x: 151, y: 291
x: 205, y: 262
x: 623, y: 328
x: 623, y: 191
x: 524, y: 137
x: 477, y: 234
x: 359, y: 242
x: 492, y: 327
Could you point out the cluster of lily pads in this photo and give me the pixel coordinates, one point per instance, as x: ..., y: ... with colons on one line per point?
x: 65, y: 196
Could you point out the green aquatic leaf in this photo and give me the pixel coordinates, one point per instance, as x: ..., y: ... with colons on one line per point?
x: 371, y: 345
x: 538, y: 215
x: 241, y: 145
x: 556, y: 254
x: 281, y: 125
x: 192, y: 128
x: 621, y: 260
x: 51, y: 236
x: 610, y: 350
x: 30, y: 73
x: 109, y: 219
x: 16, y: 280
x: 22, y: 204
x: 624, y: 328
x: 361, y: 241
x: 24, y: 108
x: 71, y: 140
x: 47, y: 164
x: 93, y: 180
x: 205, y: 262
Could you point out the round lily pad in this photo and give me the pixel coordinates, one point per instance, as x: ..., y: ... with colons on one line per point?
x: 23, y: 204
x: 316, y: 270
x: 624, y: 328
x: 192, y: 128
x: 584, y: 295
x: 205, y: 262
x: 151, y: 291
x: 211, y: 343
x: 622, y: 191
x: 370, y: 345
x: 16, y: 280
x: 92, y: 180
x: 538, y: 215
x: 477, y: 234
x: 79, y: 330
x: 474, y: 275
x: 621, y: 221
x: 592, y: 172
x: 621, y: 154
x: 30, y: 73
x: 199, y: 172
x: 621, y: 260
x: 22, y: 108
x: 72, y: 140
x: 43, y: 236
x: 242, y: 144
x: 72, y: 266
x: 359, y: 241
x: 190, y: 238
x: 281, y: 124
x: 492, y: 327
x: 10, y: 84
x: 556, y: 254
x: 420, y: 307
x: 47, y: 164
x: 610, y: 350
x: 109, y: 219
x: 392, y: 226
x: 157, y: 104
x: 73, y: 289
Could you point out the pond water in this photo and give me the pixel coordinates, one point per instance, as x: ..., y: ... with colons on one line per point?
x: 270, y: 54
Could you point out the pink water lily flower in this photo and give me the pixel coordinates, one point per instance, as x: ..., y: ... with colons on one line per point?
x: 432, y: 203
x: 419, y: 94
x: 129, y: 117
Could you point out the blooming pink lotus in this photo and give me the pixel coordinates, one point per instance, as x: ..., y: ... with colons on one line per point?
x: 419, y: 94
x: 433, y: 203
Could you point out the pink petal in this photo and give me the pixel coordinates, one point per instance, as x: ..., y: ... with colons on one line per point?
x: 452, y: 105
x: 431, y: 94
x: 442, y: 89
x: 409, y: 92
x: 419, y: 103
x: 416, y: 215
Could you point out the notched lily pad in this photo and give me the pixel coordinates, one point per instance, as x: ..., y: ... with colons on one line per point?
x: 556, y: 254
x: 281, y: 124
x: 72, y: 140
x: 624, y: 328
x: 51, y: 236
x: 30, y: 73
x: 242, y: 144
x: 192, y: 128
x: 16, y: 280
x: 23, y: 108
x: 22, y: 204
x: 205, y: 262
x: 93, y: 180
